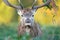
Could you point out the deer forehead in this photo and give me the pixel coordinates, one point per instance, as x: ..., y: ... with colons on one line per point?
x: 25, y: 11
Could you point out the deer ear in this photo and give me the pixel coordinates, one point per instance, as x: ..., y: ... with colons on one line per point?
x: 20, y: 12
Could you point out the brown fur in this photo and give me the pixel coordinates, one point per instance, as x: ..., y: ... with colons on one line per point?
x: 34, y: 31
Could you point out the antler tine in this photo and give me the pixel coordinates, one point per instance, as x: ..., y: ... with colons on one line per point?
x: 21, y: 4
x: 11, y: 5
x: 36, y: 7
x: 34, y: 3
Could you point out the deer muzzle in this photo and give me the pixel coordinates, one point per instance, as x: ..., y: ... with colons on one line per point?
x: 28, y: 22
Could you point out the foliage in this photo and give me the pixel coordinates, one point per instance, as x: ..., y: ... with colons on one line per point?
x: 8, y: 15
x: 45, y: 17
x: 10, y: 32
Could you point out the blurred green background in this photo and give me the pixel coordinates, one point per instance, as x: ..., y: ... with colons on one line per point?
x: 9, y: 20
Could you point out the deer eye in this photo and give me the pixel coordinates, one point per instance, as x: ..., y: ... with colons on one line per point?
x: 22, y: 15
x: 32, y: 15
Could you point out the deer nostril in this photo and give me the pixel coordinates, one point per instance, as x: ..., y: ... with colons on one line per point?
x: 27, y: 20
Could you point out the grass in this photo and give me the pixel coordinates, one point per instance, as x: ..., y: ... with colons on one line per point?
x: 10, y: 32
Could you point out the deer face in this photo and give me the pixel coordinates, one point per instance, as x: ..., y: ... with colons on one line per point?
x: 27, y: 15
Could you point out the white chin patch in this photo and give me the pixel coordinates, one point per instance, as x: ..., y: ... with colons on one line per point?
x: 27, y: 30
x: 27, y: 23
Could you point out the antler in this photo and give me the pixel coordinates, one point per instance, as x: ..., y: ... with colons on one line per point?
x: 34, y: 3
x: 36, y: 7
x: 20, y: 3
x: 11, y: 5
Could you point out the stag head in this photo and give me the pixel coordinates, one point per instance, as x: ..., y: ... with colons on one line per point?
x: 28, y: 13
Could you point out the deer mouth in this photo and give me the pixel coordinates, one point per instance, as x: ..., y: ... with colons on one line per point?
x: 28, y: 24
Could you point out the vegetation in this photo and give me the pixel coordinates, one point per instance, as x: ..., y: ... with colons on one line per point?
x: 45, y: 17
x: 10, y: 32
x: 9, y: 21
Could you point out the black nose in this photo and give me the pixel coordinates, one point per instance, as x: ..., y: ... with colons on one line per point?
x: 27, y: 20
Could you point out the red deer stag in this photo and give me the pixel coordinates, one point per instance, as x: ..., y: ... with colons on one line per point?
x: 27, y: 22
